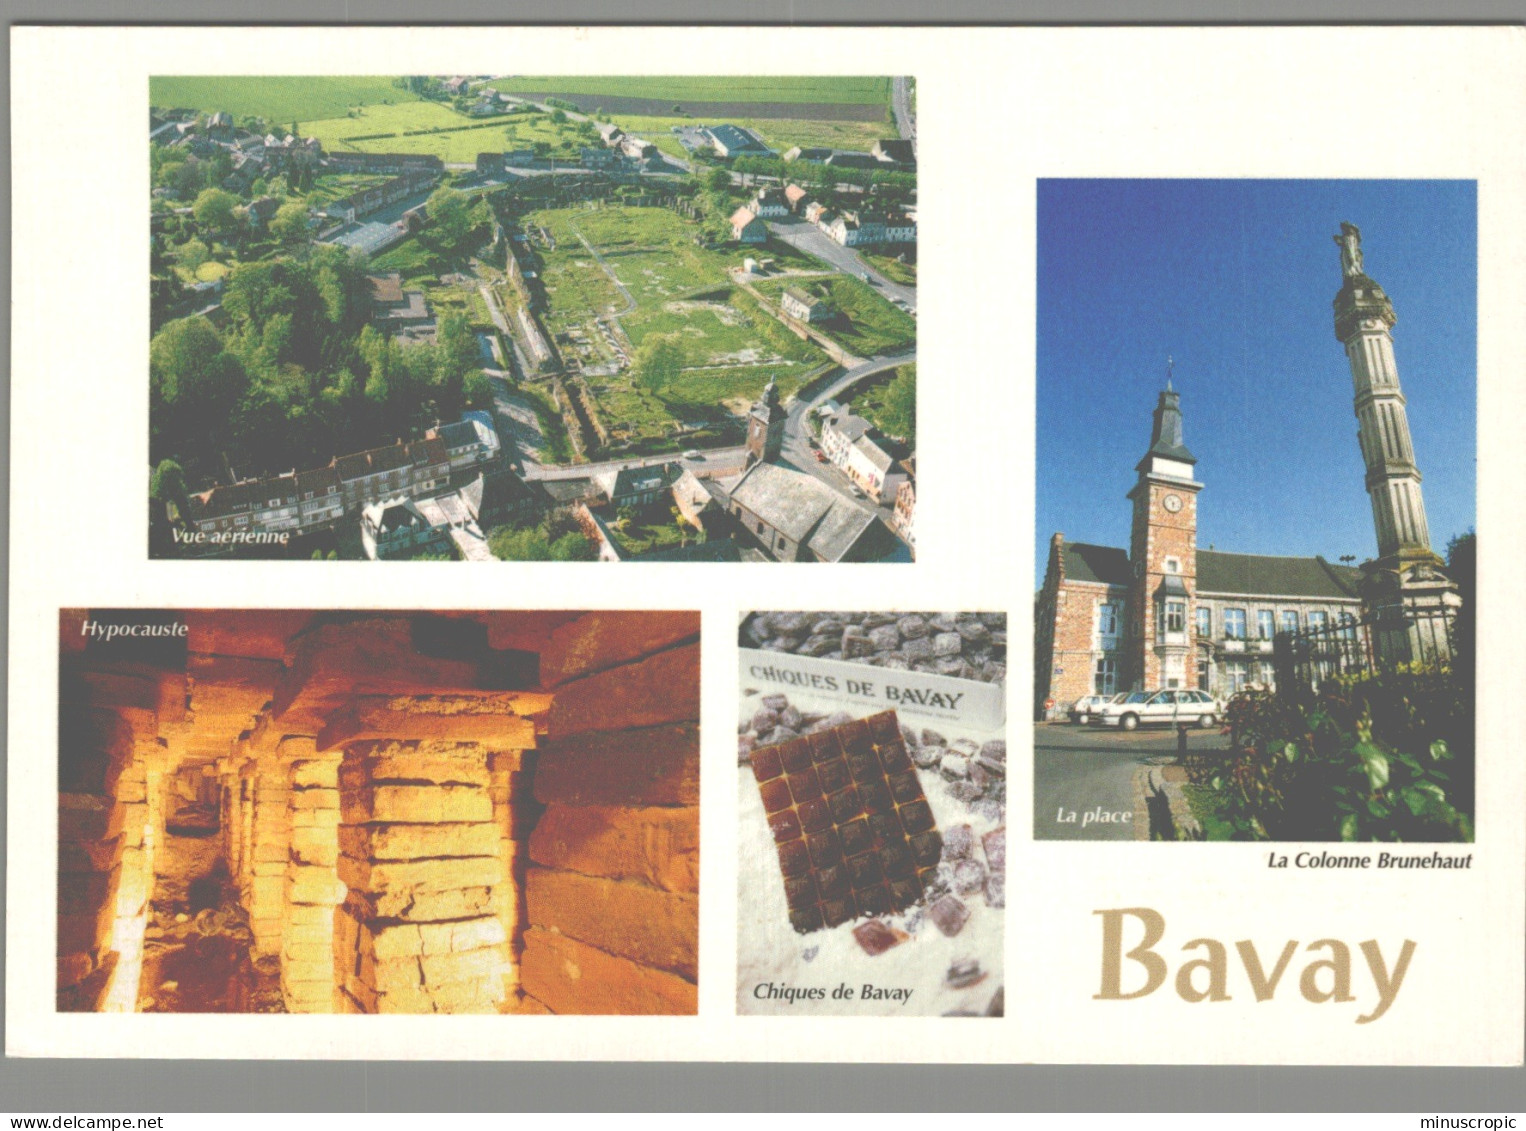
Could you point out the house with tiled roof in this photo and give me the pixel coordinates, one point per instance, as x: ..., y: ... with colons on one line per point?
x: 1164, y: 613
x: 747, y: 228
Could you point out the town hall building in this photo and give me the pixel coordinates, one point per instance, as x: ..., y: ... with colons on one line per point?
x: 1164, y: 614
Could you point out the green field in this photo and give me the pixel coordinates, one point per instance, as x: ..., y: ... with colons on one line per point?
x: 277, y: 98
x: 466, y: 136
x: 780, y: 133
x: 709, y: 88
x: 731, y: 347
x: 865, y: 322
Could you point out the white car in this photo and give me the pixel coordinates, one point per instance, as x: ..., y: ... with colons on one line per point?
x: 1086, y: 708
x: 1163, y: 708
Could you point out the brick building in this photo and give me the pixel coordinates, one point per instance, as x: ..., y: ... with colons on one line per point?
x: 1164, y: 613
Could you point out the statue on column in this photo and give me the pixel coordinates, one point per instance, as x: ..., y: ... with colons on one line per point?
x: 1350, y: 241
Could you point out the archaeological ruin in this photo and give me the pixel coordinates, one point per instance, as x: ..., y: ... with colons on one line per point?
x: 378, y: 812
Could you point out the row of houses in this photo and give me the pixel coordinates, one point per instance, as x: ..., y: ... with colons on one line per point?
x: 370, y: 200
x: 895, y: 154
x: 308, y: 500
x: 863, y: 454
x: 851, y: 228
x: 401, y: 526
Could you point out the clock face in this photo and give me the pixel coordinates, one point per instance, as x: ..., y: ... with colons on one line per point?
x: 1172, y: 503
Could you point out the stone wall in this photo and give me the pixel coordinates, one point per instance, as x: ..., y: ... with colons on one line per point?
x: 613, y: 878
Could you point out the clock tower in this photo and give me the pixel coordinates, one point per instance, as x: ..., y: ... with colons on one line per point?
x: 765, y: 428
x: 1163, y: 555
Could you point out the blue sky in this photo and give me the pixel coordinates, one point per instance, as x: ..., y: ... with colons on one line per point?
x: 1234, y: 280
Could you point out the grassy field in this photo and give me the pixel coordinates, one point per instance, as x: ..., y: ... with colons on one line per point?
x: 466, y: 138
x: 869, y: 402
x: 780, y: 133
x: 710, y: 88
x: 278, y: 98
x: 866, y: 322
x: 731, y: 347
x: 892, y: 268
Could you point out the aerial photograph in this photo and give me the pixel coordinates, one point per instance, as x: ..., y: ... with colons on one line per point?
x: 507, y: 317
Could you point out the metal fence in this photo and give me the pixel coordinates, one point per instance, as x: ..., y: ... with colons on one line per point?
x: 1385, y: 639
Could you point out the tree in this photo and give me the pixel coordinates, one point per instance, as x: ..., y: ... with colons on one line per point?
x: 558, y: 116
x: 168, y: 487
x: 526, y: 545
x: 458, y: 352
x: 573, y: 547
x: 192, y: 254
x: 289, y: 225
x: 898, y: 414
x: 453, y: 216
x: 718, y: 180
x: 214, y: 210
x: 657, y: 362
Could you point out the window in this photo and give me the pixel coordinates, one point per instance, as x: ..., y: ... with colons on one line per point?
x: 1264, y: 624
x: 1289, y: 620
x: 1173, y: 565
x: 1107, y: 620
x: 1348, y: 626
x: 1234, y: 624
x: 1105, y: 680
x: 1204, y: 621
x: 1202, y: 673
x: 1176, y: 616
x: 1316, y: 620
x: 1236, y: 675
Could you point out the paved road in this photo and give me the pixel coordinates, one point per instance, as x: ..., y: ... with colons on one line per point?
x: 717, y: 458
x: 1079, y: 769
x: 797, y: 450
x: 900, y: 101
x: 813, y: 241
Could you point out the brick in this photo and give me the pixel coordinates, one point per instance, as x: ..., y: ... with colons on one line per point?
x: 436, y: 763
x: 662, y: 689
x: 600, y: 640
x: 298, y: 971
x: 655, y: 766
x: 91, y: 856
x: 415, y: 906
x: 659, y: 847
x: 482, y: 964
x: 269, y: 853
x: 314, y: 799
x: 298, y: 951
x: 491, y: 718
x: 417, y: 804
x: 415, y: 842
x: 316, y: 891
x: 421, y: 875
x: 87, y: 817
x: 314, y: 818
x: 644, y: 924
x: 571, y: 977
x: 324, y: 773
x: 316, y: 855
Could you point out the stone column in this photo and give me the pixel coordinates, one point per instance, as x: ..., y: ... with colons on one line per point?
x: 419, y: 930
x: 265, y: 887
x: 313, y: 889
x: 514, y: 812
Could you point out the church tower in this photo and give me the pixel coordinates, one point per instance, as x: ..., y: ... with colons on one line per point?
x: 1404, y: 578
x: 765, y: 428
x: 1163, y: 555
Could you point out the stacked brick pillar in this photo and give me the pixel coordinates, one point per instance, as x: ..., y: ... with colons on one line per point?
x: 313, y: 888
x: 613, y: 878
x: 419, y: 931
x: 264, y: 885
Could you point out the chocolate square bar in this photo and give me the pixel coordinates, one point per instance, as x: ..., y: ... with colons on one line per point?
x: 775, y: 795
x: 949, y: 914
x: 815, y: 815
x: 800, y: 892
x: 856, y: 837
x: 917, y: 817
x: 825, y: 848
x: 864, y: 871
x: 855, y: 833
x: 794, y: 860
x: 833, y: 881
x: 765, y: 763
x: 804, y: 786
x: 995, y: 844
x: 796, y: 755
x: 905, y: 788
x: 833, y: 776
x: 894, y: 758
x: 873, y: 901
x: 884, y: 727
x: 845, y: 805
x: 876, y: 797
x: 824, y: 746
x: 785, y: 824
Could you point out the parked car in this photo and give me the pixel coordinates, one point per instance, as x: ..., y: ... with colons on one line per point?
x: 1163, y: 708
x: 693, y: 453
x: 1084, y: 709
